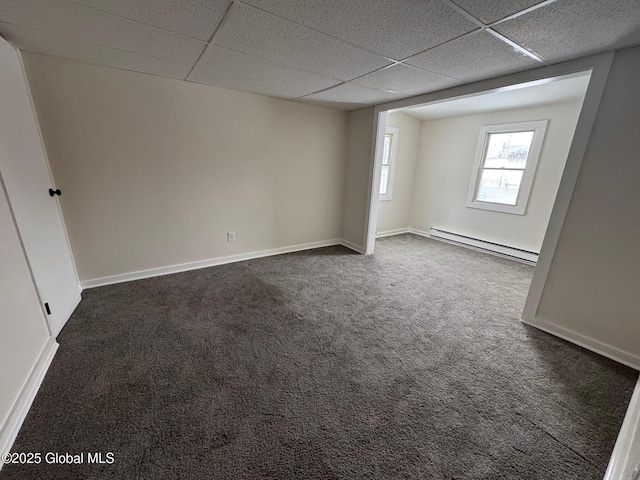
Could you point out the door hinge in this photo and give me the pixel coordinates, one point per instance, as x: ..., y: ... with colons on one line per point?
x: 46, y: 307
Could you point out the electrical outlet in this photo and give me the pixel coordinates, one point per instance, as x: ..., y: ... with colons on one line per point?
x: 231, y: 236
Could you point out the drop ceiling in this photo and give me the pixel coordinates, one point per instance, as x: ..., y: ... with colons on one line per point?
x: 342, y: 53
x: 568, y: 88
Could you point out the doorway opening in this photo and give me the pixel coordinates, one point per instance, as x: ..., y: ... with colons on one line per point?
x: 595, y: 67
x: 482, y: 170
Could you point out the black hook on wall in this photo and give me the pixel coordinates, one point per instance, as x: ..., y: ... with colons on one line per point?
x: 53, y: 192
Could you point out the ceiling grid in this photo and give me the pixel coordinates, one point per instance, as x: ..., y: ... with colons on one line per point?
x: 345, y: 54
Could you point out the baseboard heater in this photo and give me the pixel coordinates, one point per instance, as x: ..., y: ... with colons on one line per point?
x: 524, y: 256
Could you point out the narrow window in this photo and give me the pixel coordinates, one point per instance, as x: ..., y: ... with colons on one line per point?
x: 504, y: 166
x: 388, y: 163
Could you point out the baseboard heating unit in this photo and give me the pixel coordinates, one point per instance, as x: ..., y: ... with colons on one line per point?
x: 524, y: 256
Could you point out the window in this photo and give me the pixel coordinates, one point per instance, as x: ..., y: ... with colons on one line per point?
x: 388, y: 162
x: 504, y: 166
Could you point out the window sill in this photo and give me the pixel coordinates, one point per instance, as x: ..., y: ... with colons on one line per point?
x: 497, y: 207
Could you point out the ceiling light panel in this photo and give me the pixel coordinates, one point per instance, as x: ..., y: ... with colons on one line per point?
x: 256, y: 32
x: 574, y: 28
x: 231, y: 69
x: 489, y: 11
x: 406, y: 79
x: 396, y: 29
x: 65, y: 47
x: 474, y: 57
x: 194, y: 18
x: 100, y: 28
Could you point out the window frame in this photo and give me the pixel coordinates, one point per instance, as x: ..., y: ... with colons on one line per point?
x: 539, y: 128
x: 393, y: 155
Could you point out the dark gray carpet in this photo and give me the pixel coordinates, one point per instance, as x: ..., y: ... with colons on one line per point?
x: 327, y: 365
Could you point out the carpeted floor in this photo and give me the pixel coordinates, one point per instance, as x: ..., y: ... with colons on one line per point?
x: 325, y: 365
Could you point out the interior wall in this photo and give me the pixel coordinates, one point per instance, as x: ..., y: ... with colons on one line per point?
x: 155, y: 172
x: 592, y: 292
x: 23, y: 327
x: 444, y: 168
x: 22, y: 323
x: 357, y: 181
x: 394, y: 214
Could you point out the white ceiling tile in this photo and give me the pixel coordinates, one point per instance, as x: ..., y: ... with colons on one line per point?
x: 194, y: 18
x: 327, y: 103
x: 574, y: 28
x: 397, y: 29
x: 406, y: 79
x: 65, y: 47
x: 474, y: 57
x: 100, y: 28
x: 259, y: 33
x: 489, y: 11
x: 350, y: 95
x: 230, y: 69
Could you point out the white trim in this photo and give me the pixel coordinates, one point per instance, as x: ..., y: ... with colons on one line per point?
x: 589, y: 343
x: 351, y: 246
x: 601, y: 65
x: 504, y: 251
x: 422, y: 233
x: 18, y: 413
x: 625, y: 459
x: 539, y: 128
x: 184, y: 267
x: 393, y: 155
x: 371, y: 213
x: 389, y: 233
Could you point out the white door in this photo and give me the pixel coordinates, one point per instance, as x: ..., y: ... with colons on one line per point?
x: 27, y: 180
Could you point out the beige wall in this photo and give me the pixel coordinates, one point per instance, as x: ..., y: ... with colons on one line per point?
x: 22, y: 324
x: 394, y: 214
x: 155, y: 171
x: 23, y: 327
x: 356, y: 185
x: 593, y: 286
x: 444, y: 167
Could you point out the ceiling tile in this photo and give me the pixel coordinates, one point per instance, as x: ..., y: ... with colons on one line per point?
x: 489, y: 11
x: 397, y: 29
x: 350, y: 96
x: 474, y: 57
x: 230, y: 69
x: 256, y: 32
x: 337, y: 105
x: 64, y: 47
x: 406, y: 79
x: 194, y: 18
x: 575, y: 28
x: 100, y: 28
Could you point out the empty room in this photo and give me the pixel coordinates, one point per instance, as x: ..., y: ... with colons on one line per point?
x: 353, y: 239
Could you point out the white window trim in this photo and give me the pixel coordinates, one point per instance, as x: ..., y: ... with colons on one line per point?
x: 393, y: 155
x: 539, y: 127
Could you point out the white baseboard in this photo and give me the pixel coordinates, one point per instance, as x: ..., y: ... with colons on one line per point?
x: 352, y: 246
x: 184, y: 267
x: 625, y: 459
x: 589, y: 343
x: 389, y: 233
x: 18, y: 413
x: 422, y: 233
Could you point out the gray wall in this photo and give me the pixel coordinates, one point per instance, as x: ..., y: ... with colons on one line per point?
x: 592, y: 293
